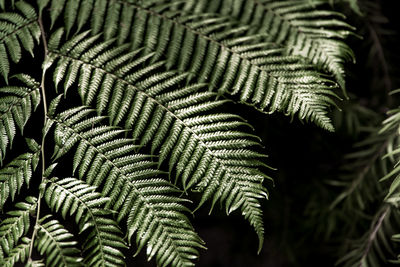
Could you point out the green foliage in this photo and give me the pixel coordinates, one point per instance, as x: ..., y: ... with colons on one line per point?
x: 15, y: 226
x: 145, y: 117
x: 18, y: 253
x: 16, y: 107
x: 57, y: 243
x: 17, y: 29
x: 70, y: 196
x: 16, y: 173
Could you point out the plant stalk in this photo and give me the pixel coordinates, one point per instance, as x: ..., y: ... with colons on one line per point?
x: 43, y: 158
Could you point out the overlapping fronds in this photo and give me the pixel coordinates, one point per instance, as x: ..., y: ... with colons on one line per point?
x: 15, y: 226
x: 372, y: 165
x: 56, y: 243
x: 17, y: 254
x: 316, y: 34
x: 207, y: 150
x: 296, y: 24
x: 391, y: 127
x: 16, y: 106
x: 218, y: 51
x: 18, y: 30
x: 133, y: 185
x: 72, y: 197
x: 375, y: 247
x: 18, y: 172
x: 362, y: 172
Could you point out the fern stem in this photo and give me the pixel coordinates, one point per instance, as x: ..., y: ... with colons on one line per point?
x: 43, y: 93
x: 372, y: 236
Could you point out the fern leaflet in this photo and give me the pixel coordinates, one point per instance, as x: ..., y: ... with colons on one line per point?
x: 315, y: 34
x: 130, y: 180
x: 73, y: 197
x: 17, y: 254
x: 56, y: 243
x: 18, y: 172
x: 15, y: 226
x: 218, y: 51
x: 17, y: 29
x: 16, y: 106
x: 207, y: 150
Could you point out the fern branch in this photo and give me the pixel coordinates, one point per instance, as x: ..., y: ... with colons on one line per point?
x: 220, y: 154
x: 217, y: 50
x: 16, y: 106
x: 316, y: 34
x: 131, y: 183
x: 17, y: 29
x: 373, y: 248
x: 15, y: 226
x: 18, y: 172
x: 73, y: 197
x: 17, y: 254
x: 57, y: 243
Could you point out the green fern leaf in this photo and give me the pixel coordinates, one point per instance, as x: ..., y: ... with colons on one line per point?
x: 17, y: 254
x: 216, y: 50
x: 16, y: 106
x: 16, y: 173
x: 130, y: 180
x: 15, y: 226
x: 57, y: 243
x: 18, y: 30
x: 374, y: 247
x: 316, y: 34
x: 161, y: 111
x: 70, y: 196
x: 36, y: 263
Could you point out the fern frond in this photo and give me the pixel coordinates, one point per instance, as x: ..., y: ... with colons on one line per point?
x: 17, y: 30
x: 73, y: 197
x: 16, y: 106
x: 375, y: 246
x: 215, y: 50
x: 57, y: 243
x: 316, y: 34
x: 16, y: 173
x: 17, y: 254
x: 36, y: 263
x: 15, y: 226
x: 206, y: 150
x: 132, y: 183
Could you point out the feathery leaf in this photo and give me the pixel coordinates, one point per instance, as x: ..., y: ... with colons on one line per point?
x: 17, y: 30
x: 70, y: 196
x: 17, y: 254
x: 56, y: 243
x: 208, y: 151
x: 218, y: 51
x: 16, y: 106
x: 15, y: 174
x: 132, y: 184
x: 15, y: 225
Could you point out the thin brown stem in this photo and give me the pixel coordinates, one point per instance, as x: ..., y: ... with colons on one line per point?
x: 43, y: 93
